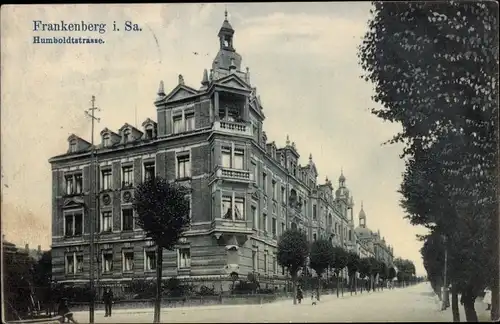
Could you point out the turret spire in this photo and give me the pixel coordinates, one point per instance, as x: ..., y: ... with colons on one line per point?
x: 204, y: 81
x: 161, y: 89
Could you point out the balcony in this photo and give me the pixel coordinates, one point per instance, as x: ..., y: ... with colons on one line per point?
x: 233, y: 128
x: 231, y: 226
x: 233, y: 175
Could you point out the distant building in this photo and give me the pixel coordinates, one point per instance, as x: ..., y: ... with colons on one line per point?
x: 245, y: 191
x: 371, y: 244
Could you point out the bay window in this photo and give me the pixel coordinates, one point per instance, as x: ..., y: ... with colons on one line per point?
x: 233, y: 208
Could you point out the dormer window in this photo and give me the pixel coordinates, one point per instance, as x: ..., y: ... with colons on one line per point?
x: 126, y: 135
x: 73, y: 146
x: 106, y: 140
x: 149, y: 132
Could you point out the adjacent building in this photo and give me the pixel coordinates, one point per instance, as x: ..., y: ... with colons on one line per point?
x: 244, y: 189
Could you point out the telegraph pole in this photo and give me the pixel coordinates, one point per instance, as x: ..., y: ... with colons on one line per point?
x: 92, y: 210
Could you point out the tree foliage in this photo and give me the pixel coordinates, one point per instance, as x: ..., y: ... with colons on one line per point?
x: 340, y: 259
x: 352, y: 263
x: 434, y: 66
x: 162, y: 211
x: 365, y: 267
x: 293, y: 249
x: 321, y: 255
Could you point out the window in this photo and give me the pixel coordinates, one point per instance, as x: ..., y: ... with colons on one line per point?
x: 69, y: 184
x: 275, y: 265
x: 126, y: 135
x: 265, y: 262
x: 350, y: 235
x: 106, y: 179
x: 128, y: 261
x: 106, y: 221
x: 274, y: 226
x: 255, y: 218
x: 238, y: 158
x: 283, y: 194
x: 264, y: 219
x: 314, y: 237
x: 150, y: 261
x: 177, y: 121
x: 73, y: 224
x: 264, y: 182
x: 184, y: 258
x: 254, y: 261
x: 149, y: 170
x: 226, y: 157
x: 74, y: 184
x: 106, y: 140
x: 283, y: 228
x: 228, y: 212
x: 315, y: 216
x: 275, y: 192
x: 127, y: 176
x: 183, y: 166
x: 72, y: 146
x: 127, y: 219
x: 149, y: 132
x: 189, y: 122
x: 232, y: 158
x: 254, y: 171
x: 74, y: 263
x: 107, y: 261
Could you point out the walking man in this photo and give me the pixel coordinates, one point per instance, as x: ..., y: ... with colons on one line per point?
x: 108, y: 301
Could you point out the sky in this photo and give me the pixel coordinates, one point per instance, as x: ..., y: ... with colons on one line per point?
x: 302, y: 59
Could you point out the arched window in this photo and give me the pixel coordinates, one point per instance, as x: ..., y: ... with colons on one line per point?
x: 149, y: 131
x: 72, y: 146
x: 126, y: 135
x: 106, y: 140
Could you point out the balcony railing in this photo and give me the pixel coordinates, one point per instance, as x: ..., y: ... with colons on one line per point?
x: 233, y: 174
x: 232, y: 128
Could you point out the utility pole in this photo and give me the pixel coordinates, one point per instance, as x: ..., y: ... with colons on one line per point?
x: 92, y: 210
x: 445, y: 284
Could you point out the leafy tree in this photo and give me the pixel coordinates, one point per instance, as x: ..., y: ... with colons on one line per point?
x: 391, y: 274
x: 320, y: 258
x: 375, y: 269
x: 339, y: 262
x: 434, y: 67
x: 365, y: 268
x: 293, y: 250
x: 352, y: 268
x: 384, y: 273
x: 42, y: 278
x: 163, y: 213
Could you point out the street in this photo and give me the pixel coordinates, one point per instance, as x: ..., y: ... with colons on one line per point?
x: 410, y: 304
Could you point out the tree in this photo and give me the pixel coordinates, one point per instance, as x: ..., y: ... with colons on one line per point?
x: 339, y: 259
x: 293, y: 250
x: 42, y: 278
x: 163, y: 213
x: 384, y: 273
x: 365, y: 268
x: 320, y: 258
x: 391, y: 274
x: 434, y: 67
x: 352, y: 268
x: 375, y: 270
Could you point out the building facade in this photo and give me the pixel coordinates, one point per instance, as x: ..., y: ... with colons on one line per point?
x: 245, y: 191
x: 371, y: 244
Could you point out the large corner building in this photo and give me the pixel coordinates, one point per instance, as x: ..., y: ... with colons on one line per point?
x: 245, y: 190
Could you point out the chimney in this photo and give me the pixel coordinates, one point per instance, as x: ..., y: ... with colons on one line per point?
x: 27, y: 247
x: 39, y: 249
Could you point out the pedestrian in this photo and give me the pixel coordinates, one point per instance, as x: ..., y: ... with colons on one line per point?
x: 487, y: 298
x: 300, y: 294
x: 108, y: 301
x: 64, y: 312
x: 314, y: 297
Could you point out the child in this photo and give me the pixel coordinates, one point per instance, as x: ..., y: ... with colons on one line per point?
x: 314, y: 298
x: 487, y: 298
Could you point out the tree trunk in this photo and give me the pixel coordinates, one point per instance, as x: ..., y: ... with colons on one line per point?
x: 454, y: 304
x: 470, y: 311
x: 342, y: 284
x: 159, y: 263
x: 351, y: 283
x: 495, y: 302
x: 294, y: 284
x: 337, y: 284
x: 355, y: 284
x: 318, y: 288
x: 362, y: 284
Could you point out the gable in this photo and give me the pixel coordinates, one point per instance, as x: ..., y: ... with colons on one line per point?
x: 233, y: 81
x: 180, y: 93
x: 73, y: 202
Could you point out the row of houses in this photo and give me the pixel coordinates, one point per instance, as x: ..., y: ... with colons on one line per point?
x: 245, y: 190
